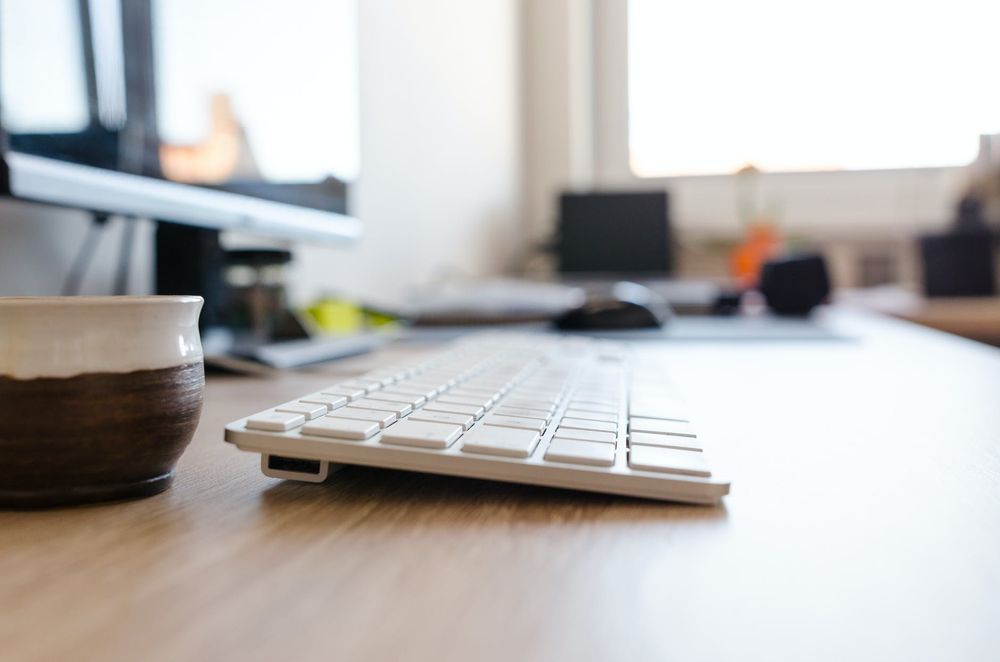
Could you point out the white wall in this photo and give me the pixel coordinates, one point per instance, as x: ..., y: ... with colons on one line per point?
x: 440, y: 149
x: 440, y: 156
x: 38, y: 245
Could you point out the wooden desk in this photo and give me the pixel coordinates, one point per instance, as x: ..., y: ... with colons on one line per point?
x: 864, y: 524
x: 977, y: 318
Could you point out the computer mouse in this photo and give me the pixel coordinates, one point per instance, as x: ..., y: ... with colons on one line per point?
x: 626, y: 306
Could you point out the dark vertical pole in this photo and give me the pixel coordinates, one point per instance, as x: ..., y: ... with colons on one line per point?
x: 89, y: 68
x: 190, y: 261
x: 140, y: 153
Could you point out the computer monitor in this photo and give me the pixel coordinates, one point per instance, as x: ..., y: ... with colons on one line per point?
x: 226, y: 115
x: 618, y: 234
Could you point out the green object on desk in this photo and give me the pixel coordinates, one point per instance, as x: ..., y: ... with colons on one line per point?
x: 339, y: 316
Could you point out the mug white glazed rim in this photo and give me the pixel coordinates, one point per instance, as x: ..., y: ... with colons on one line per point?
x: 66, y: 336
x: 99, y: 300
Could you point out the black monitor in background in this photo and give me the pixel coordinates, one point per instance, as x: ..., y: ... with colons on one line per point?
x: 959, y: 264
x: 619, y: 233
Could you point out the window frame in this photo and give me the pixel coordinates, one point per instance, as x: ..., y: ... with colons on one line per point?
x: 875, y: 203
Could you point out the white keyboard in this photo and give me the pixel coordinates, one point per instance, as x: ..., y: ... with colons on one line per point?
x: 537, y: 409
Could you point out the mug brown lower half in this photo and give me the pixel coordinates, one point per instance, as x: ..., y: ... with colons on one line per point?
x: 95, y: 436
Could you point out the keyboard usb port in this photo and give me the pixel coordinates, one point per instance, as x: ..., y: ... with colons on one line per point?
x: 293, y: 464
x: 296, y: 468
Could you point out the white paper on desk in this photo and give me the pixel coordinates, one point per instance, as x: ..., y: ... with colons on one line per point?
x: 496, y: 298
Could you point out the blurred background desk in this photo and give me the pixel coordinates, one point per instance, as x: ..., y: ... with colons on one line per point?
x: 976, y: 318
x: 863, y: 524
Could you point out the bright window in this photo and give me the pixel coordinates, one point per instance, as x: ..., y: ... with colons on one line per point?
x: 787, y: 85
x: 50, y: 96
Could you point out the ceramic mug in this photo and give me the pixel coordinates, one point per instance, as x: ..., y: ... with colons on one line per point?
x: 99, y: 396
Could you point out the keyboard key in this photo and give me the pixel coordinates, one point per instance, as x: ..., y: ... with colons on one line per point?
x: 552, y: 389
x: 573, y: 451
x: 670, y: 460
x: 436, y: 386
x: 529, y: 413
x: 446, y: 380
x: 609, y: 408
x: 495, y: 384
x: 275, y: 421
x: 310, y: 411
x: 422, y: 434
x: 586, y: 435
x: 464, y: 420
x: 418, y: 382
x: 453, y: 399
x: 602, y: 407
x: 550, y: 396
x: 549, y: 377
x: 545, y: 383
x: 398, y: 373
x: 495, y: 390
x: 598, y: 396
x: 349, y: 393
x: 664, y: 440
x: 592, y: 415
x: 359, y: 385
x: 399, y: 408
x: 341, y: 428
x: 468, y: 410
x: 466, y: 391
x: 661, y: 426
x: 394, y: 396
x: 413, y: 389
x: 545, y: 398
x: 331, y: 401
x: 382, y: 378
x: 582, y: 424
x: 529, y: 404
x: 473, y: 397
x: 536, y: 424
x: 508, y: 442
x: 383, y: 418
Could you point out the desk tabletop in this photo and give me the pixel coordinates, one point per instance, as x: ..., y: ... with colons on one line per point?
x: 863, y: 524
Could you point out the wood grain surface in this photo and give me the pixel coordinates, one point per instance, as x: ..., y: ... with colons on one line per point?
x: 864, y: 524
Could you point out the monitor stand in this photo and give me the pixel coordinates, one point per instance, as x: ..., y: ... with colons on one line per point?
x: 191, y: 260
